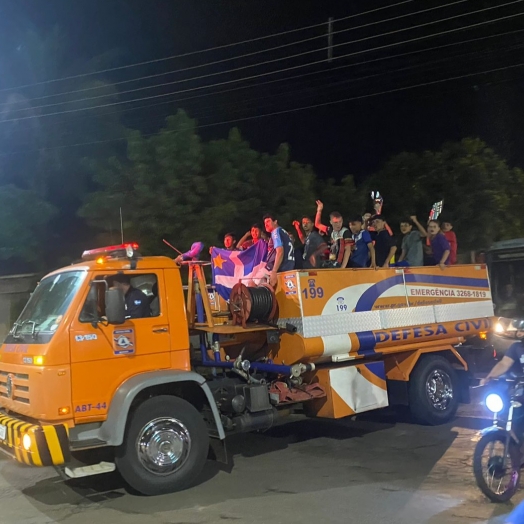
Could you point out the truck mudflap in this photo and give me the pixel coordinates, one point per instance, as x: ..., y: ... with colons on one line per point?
x: 46, y: 445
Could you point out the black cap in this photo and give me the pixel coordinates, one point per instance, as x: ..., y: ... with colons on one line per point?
x: 378, y: 217
x: 121, y: 278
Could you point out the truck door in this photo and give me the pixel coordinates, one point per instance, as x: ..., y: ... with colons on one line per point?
x: 103, y: 356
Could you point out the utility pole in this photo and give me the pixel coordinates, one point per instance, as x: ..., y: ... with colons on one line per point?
x: 330, y: 39
x: 121, y: 226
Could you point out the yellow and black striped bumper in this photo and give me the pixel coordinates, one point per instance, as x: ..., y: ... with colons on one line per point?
x: 45, y: 446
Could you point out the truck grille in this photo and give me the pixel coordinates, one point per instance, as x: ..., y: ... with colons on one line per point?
x: 14, y: 386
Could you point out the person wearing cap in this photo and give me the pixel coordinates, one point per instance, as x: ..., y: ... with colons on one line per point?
x: 137, y: 303
x: 363, y: 251
x: 385, y: 247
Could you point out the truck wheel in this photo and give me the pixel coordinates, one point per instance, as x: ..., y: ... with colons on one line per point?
x: 433, y: 391
x: 165, y: 446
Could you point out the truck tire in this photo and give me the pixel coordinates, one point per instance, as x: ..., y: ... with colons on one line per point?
x: 433, y: 391
x: 165, y: 446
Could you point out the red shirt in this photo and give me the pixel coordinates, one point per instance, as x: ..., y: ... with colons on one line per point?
x: 452, y: 239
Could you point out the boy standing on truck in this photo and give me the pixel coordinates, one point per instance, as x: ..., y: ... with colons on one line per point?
x: 447, y: 227
x: 281, y: 255
x: 363, y: 250
x: 229, y: 241
x: 339, y: 236
x: 412, y: 252
x: 439, y: 244
x: 385, y: 247
x: 314, y: 244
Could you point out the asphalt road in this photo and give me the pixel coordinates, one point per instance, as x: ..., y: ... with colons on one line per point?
x: 370, y: 470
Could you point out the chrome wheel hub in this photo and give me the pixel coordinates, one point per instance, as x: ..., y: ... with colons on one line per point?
x: 163, y: 445
x: 439, y: 389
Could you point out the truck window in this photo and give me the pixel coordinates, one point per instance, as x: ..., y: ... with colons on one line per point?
x: 94, y: 306
x: 49, y: 302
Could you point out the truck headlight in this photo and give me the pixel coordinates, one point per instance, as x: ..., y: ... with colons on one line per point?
x: 499, y: 328
x: 494, y: 403
x: 26, y: 441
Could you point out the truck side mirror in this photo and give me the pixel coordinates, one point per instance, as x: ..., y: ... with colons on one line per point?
x: 115, y: 306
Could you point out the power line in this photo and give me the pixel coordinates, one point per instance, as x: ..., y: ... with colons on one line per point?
x: 327, y: 88
x: 285, y: 111
x: 215, y: 48
x: 243, y: 104
x: 360, y: 97
x: 331, y: 85
x: 313, y: 89
x: 223, y: 91
x: 162, y: 95
x: 238, y: 57
x: 274, y: 60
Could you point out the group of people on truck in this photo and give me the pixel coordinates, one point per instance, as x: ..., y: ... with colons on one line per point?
x: 367, y: 241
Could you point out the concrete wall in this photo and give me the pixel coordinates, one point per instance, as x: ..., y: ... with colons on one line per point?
x: 14, y: 293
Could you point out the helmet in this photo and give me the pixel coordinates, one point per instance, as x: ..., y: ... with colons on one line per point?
x: 518, y: 324
x: 516, y: 329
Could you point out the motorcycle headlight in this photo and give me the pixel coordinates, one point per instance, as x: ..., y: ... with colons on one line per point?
x: 494, y: 403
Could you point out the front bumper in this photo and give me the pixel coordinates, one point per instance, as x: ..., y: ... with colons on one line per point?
x: 49, y: 444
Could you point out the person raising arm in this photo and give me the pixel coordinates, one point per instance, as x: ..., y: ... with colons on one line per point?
x: 339, y: 236
x: 439, y: 244
x: 300, y: 233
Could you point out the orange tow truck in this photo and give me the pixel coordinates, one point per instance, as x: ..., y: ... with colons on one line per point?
x: 161, y: 393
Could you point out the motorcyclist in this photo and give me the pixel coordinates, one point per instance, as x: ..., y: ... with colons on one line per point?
x: 513, y: 360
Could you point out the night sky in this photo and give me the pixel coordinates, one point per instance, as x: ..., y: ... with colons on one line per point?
x: 354, y: 137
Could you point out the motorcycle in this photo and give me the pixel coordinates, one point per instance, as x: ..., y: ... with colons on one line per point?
x: 497, y: 472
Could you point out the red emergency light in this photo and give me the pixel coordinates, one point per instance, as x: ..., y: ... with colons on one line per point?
x: 121, y: 250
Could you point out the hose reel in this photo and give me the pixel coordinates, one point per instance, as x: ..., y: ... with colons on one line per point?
x: 252, y: 304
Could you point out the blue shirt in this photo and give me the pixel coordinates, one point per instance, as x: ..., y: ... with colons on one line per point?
x: 516, y: 353
x: 440, y: 244
x: 360, y: 254
x: 517, y: 515
x: 280, y: 238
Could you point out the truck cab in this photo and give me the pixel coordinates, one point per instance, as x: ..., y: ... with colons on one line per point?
x: 62, y: 361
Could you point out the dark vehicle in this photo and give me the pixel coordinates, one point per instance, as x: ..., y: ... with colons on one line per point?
x: 505, y: 261
x: 498, y: 456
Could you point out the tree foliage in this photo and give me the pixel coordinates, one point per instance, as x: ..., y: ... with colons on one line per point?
x: 173, y: 186
x: 23, y: 215
x: 480, y: 191
x: 36, y: 121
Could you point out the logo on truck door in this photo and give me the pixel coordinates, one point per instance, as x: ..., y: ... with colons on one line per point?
x: 123, y: 341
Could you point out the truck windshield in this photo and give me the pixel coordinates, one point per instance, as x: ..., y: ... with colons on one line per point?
x: 48, y: 303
